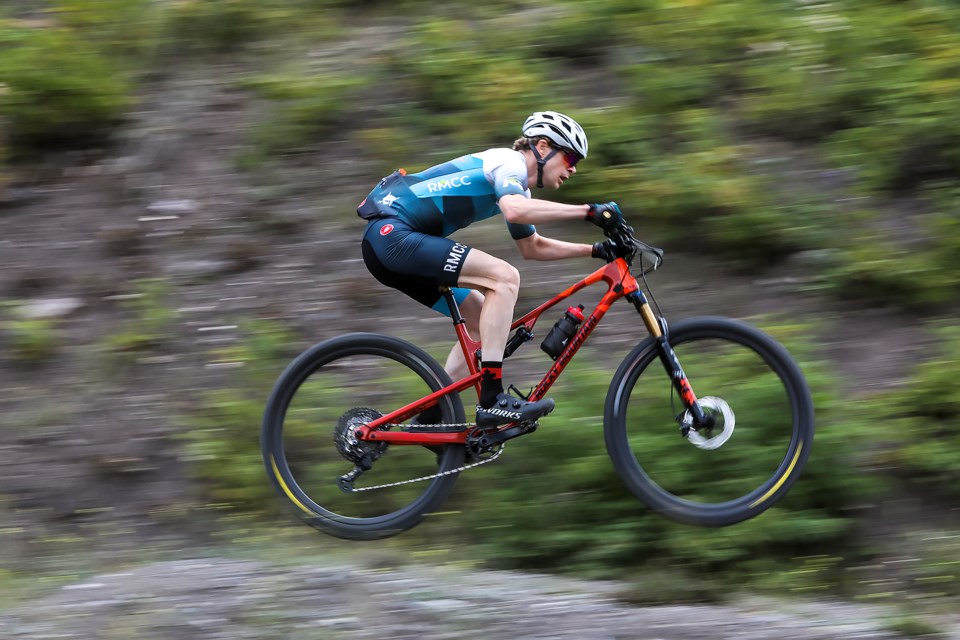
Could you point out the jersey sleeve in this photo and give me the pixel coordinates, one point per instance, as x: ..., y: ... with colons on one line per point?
x: 510, y: 178
x: 520, y: 231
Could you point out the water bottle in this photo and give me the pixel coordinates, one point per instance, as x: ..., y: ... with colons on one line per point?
x: 561, y: 332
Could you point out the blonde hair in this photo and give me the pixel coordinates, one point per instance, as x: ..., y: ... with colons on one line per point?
x: 524, y: 143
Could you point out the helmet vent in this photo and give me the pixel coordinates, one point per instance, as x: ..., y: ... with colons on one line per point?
x: 560, y: 129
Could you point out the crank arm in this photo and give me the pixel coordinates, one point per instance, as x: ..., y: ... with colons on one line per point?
x: 498, y: 437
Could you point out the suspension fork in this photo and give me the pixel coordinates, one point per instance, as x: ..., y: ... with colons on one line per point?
x: 658, y: 330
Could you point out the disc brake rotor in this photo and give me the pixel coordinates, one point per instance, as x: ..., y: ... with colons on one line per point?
x: 720, y: 432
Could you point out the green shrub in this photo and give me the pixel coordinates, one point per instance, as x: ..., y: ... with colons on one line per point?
x: 149, y: 322
x: 922, y: 421
x: 223, y: 450
x: 875, y: 269
x: 457, y: 73
x: 127, y: 30
x: 561, y: 484
x: 574, y: 30
x: 33, y: 340
x: 58, y: 92
x: 307, y: 107
x: 216, y: 26
x: 222, y: 445
x: 685, y: 55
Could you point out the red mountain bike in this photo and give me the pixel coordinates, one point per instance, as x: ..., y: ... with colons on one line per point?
x: 340, y: 442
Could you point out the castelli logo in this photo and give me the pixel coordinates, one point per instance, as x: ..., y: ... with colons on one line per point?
x: 385, y: 229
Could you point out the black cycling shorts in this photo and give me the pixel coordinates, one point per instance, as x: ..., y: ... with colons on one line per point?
x: 412, y: 262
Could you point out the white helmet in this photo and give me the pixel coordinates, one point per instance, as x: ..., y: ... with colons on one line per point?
x: 560, y: 129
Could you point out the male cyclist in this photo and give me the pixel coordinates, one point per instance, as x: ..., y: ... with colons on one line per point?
x: 405, y: 244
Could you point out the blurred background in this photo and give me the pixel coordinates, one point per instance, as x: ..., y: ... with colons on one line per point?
x: 178, y: 183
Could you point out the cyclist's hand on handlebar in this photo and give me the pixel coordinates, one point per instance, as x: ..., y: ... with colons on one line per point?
x: 609, y: 250
x: 606, y: 216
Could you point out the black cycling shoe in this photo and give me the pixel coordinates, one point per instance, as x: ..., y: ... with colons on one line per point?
x: 508, y: 409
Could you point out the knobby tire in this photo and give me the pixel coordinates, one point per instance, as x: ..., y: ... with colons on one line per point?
x: 624, y: 431
x: 348, y: 358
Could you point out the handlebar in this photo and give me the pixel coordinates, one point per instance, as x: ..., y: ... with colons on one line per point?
x: 650, y: 257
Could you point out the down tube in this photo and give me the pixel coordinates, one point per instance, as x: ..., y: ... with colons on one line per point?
x: 575, y: 343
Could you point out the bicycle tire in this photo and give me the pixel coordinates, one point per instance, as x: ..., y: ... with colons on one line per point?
x: 722, y: 335
x: 289, y: 467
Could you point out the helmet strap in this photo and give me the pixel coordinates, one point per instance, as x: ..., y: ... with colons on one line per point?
x: 540, y: 162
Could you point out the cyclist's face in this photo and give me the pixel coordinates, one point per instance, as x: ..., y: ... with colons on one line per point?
x: 560, y: 167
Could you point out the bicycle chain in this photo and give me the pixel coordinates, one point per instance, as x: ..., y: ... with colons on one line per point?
x: 435, y: 475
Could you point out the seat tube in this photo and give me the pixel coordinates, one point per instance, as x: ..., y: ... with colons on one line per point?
x: 460, y: 327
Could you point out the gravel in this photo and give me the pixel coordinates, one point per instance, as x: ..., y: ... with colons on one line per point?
x: 225, y: 599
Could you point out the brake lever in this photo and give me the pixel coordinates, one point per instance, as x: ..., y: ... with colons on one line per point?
x: 653, y: 254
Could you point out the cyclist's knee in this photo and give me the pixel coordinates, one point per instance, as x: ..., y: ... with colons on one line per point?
x: 507, y: 279
x: 490, y: 274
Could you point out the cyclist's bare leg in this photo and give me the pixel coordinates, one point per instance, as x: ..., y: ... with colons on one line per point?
x: 499, y: 282
x: 470, y: 309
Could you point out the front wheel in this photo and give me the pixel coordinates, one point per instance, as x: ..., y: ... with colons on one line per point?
x: 754, y: 453
x: 337, y: 385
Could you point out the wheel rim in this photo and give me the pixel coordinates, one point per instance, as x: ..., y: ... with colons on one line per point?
x: 748, y: 468
x: 307, y: 462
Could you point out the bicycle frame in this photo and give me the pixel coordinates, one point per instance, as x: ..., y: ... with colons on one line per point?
x: 620, y: 284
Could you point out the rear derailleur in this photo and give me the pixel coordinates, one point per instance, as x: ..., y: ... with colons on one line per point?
x: 362, y: 453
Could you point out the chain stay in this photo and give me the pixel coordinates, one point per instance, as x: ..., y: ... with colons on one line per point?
x: 435, y: 475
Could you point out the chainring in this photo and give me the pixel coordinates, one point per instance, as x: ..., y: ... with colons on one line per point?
x: 346, y: 442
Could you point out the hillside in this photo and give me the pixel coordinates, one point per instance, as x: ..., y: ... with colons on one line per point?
x: 177, y: 222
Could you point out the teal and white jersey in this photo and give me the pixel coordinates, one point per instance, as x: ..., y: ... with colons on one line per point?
x: 455, y: 194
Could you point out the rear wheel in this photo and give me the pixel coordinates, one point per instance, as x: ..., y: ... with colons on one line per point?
x: 332, y: 387
x: 753, y: 455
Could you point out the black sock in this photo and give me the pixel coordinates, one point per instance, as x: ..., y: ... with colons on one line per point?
x: 491, y: 382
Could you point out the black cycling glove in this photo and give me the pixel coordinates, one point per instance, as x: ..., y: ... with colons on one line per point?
x: 609, y: 250
x: 606, y: 216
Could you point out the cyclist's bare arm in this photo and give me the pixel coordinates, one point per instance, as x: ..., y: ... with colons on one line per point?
x: 522, y: 210
x: 537, y: 247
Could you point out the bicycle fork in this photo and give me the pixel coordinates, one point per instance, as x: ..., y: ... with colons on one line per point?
x: 658, y: 331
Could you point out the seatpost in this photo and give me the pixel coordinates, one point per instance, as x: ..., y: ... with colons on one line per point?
x: 459, y: 325
x: 452, y: 304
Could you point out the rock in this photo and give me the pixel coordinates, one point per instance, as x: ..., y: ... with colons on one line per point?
x: 50, y: 308
x: 173, y: 207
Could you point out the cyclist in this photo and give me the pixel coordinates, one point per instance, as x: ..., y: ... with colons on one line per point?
x: 406, y: 246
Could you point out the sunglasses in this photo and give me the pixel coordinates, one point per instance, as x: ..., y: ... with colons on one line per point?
x: 570, y: 157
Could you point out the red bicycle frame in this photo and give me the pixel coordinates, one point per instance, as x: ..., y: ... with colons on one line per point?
x: 620, y: 283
